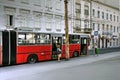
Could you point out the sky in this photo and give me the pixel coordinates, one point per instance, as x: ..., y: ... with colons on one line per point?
x: 114, y: 3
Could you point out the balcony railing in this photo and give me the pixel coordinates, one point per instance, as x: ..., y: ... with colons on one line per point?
x: 77, y: 30
x: 82, y: 30
x: 107, y: 32
x: 87, y: 30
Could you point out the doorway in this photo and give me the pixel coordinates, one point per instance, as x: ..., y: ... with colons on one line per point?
x: 83, y: 46
x: 56, y: 40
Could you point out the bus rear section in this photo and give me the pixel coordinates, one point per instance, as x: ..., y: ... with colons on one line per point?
x: 7, y: 47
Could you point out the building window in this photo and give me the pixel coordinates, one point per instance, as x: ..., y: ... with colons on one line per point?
x: 78, y: 8
x: 58, y: 22
x: 117, y: 18
x: 107, y: 29
x: 24, y: 18
x: 107, y: 16
x: 117, y: 43
x: 93, y: 12
x: 103, y: 27
x: 114, y: 28
x: 98, y: 27
x: 111, y: 17
x: 111, y: 28
x: 58, y: 3
x: 49, y: 4
x: 98, y: 14
x: 9, y: 19
x: 114, y: 17
x: 37, y: 20
x: 86, y: 11
x: 11, y: 0
x: 117, y: 29
x: 58, y: 7
x: 77, y: 23
x: 86, y: 24
x: 25, y: 1
x: 93, y: 26
x: 9, y: 16
x: 48, y: 21
x: 38, y: 3
x: 102, y: 15
x: 110, y: 43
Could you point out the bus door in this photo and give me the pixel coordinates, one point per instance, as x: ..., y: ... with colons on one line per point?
x: 56, y: 40
x: 83, y: 46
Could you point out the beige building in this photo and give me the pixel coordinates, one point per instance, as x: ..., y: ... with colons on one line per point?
x: 45, y: 15
x: 105, y: 25
x: 81, y: 16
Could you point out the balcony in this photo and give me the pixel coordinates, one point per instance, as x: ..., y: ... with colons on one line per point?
x: 87, y: 30
x: 82, y: 30
x: 77, y: 30
x: 107, y: 33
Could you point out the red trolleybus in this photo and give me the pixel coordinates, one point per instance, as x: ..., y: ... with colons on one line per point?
x: 26, y: 46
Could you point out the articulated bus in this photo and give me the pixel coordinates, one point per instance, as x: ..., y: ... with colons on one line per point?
x: 18, y: 47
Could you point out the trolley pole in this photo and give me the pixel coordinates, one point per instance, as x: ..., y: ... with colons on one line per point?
x: 66, y: 30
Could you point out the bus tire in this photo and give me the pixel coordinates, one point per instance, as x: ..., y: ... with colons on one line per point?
x: 32, y: 58
x: 75, y: 54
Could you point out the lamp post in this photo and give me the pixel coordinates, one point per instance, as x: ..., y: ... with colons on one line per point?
x: 66, y: 30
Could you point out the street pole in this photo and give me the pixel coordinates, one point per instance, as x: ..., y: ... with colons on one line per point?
x: 66, y: 30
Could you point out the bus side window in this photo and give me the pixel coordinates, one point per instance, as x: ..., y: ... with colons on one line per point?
x: 74, y: 39
x: 30, y: 38
x: 48, y: 39
x: 26, y: 38
x: 43, y: 39
x: 21, y: 39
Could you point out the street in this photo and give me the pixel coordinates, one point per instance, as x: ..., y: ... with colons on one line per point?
x: 91, y: 67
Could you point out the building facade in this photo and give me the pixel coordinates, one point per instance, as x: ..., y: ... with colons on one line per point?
x: 81, y: 17
x: 45, y: 15
x: 105, y: 25
x: 40, y: 15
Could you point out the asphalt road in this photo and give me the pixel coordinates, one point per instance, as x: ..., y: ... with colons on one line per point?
x: 99, y: 68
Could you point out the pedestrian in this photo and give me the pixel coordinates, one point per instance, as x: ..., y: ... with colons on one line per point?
x: 59, y: 52
x: 96, y: 49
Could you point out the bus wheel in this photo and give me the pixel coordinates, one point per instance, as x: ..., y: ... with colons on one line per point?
x: 75, y: 54
x: 32, y: 59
